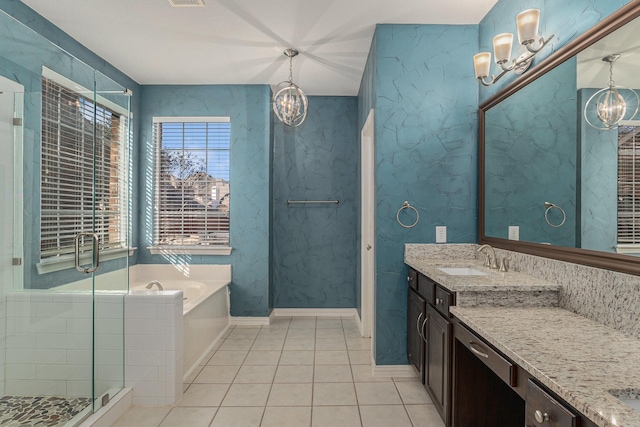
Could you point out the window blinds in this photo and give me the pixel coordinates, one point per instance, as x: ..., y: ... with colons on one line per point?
x: 628, y: 184
x: 192, y: 181
x: 75, y: 131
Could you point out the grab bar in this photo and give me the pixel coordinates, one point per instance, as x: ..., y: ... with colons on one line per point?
x: 297, y: 202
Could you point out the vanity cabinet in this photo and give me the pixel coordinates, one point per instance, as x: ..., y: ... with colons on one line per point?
x: 429, y: 338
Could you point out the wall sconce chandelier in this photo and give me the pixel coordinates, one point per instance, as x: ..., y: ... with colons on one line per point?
x: 527, y: 23
x: 608, y: 104
x: 289, y: 101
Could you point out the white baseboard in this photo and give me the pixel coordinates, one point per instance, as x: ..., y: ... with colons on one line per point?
x: 108, y: 414
x: 393, y: 371
x: 249, y: 321
x: 318, y: 312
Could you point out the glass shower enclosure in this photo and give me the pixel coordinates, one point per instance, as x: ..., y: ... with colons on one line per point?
x: 64, y: 231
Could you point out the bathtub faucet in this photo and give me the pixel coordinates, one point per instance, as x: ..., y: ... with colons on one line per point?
x: 155, y: 282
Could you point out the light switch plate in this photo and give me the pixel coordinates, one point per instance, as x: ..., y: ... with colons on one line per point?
x: 441, y: 234
x: 514, y: 232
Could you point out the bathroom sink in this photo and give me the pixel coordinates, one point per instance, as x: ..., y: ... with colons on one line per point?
x: 462, y: 271
x: 631, y: 399
x: 633, y: 403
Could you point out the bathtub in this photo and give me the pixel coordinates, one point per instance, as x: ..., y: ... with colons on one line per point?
x: 205, y: 303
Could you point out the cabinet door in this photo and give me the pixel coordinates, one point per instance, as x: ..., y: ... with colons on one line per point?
x: 415, y: 343
x: 438, y: 375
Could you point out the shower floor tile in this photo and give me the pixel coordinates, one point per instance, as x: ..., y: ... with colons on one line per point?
x: 48, y: 411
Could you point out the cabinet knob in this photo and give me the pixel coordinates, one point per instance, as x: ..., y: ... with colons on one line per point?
x: 409, y: 279
x: 439, y: 301
x: 540, y: 417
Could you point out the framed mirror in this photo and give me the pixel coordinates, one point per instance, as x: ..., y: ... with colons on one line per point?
x: 555, y: 179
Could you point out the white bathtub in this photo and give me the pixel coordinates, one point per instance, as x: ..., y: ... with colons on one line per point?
x: 205, y: 303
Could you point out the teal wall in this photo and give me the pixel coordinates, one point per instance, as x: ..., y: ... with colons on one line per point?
x: 315, y: 245
x: 249, y: 107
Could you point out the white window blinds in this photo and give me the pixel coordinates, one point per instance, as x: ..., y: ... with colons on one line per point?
x: 629, y: 184
x: 192, y: 181
x: 75, y: 131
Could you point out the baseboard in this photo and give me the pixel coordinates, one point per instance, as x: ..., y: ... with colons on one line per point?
x: 359, y: 322
x: 393, y: 371
x: 249, y: 321
x: 317, y: 312
x: 107, y: 415
x: 206, y: 353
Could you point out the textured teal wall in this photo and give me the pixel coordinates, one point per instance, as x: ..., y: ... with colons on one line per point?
x: 249, y: 107
x: 531, y: 158
x: 425, y: 142
x: 315, y: 244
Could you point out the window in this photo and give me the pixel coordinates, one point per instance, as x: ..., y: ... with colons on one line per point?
x: 192, y: 183
x: 629, y: 188
x: 75, y: 130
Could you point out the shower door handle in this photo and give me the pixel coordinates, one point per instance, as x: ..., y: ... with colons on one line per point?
x: 95, y: 255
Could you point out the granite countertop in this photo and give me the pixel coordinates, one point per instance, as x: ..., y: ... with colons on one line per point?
x: 493, y: 281
x: 578, y: 359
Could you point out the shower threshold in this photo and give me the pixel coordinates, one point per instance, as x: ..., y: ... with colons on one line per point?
x: 49, y: 411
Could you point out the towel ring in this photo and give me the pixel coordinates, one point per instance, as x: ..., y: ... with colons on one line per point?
x: 549, y: 206
x: 406, y: 205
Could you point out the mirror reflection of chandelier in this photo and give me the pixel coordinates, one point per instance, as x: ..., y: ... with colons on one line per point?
x: 609, y: 105
x: 289, y: 101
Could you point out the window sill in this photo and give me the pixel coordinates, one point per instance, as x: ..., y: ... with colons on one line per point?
x: 628, y: 248
x: 66, y: 262
x: 190, y: 250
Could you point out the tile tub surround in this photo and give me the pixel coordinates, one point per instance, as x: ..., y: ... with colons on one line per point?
x: 578, y: 359
x: 298, y: 371
x: 511, y: 289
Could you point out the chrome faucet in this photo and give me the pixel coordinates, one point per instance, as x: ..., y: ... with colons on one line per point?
x: 491, y: 260
x: 155, y: 282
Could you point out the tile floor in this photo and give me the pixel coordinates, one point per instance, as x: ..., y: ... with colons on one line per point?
x: 299, y: 371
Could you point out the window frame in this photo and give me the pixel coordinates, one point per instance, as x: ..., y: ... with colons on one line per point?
x: 627, y: 248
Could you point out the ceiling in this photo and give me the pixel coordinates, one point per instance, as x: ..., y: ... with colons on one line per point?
x: 242, y: 41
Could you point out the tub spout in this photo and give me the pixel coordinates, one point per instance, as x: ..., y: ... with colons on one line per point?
x: 155, y: 282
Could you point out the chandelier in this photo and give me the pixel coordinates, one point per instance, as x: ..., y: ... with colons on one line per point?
x: 289, y: 101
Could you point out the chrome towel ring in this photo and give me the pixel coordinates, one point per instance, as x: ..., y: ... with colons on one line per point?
x: 548, y: 206
x: 406, y: 205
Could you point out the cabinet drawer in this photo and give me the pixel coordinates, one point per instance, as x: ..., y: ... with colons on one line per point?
x: 412, y: 279
x: 501, y: 366
x: 426, y: 288
x: 543, y: 410
x: 444, y: 300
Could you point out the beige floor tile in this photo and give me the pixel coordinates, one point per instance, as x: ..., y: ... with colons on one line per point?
x: 268, y: 344
x: 339, y: 357
x: 294, y: 374
x: 206, y: 358
x: 364, y: 374
x: 192, y: 417
x: 255, y: 375
x: 280, y: 322
x: 407, y: 379
x: 185, y: 387
x: 204, y: 395
x: 297, y: 357
x: 334, y: 394
x: 192, y: 376
x: 290, y: 395
x: 139, y: 416
x: 325, y: 323
x: 335, y: 416
x: 275, y: 416
x: 377, y: 394
x: 424, y: 416
x: 302, y: 323
x: 359, y: 344
x: 272, y: 333
x: 323, y: 344
x: 384, y: 416
x: 247, y: 395
x: 413, y: 393
x: 330, y: 333
x: 360, y: 357
x: 217, y: 374
x: 231, y: 344
x: 332, y: 374
x: 238, y: 417
x: 223, y: 357
x: 301, y: 333
x: 244, y: 333
x: 299, y: 344
x: 262, y: 358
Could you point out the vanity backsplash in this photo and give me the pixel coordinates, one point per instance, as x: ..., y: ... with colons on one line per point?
x: 604, y: 296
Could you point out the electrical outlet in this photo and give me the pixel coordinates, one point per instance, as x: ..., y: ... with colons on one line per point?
x: 514, y: 232
x: 441, y: 234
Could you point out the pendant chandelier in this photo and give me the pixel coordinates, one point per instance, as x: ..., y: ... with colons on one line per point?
x: 608, y: 104
x: 289, y: 101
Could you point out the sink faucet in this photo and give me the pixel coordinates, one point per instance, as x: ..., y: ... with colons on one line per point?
x: 491, y: 260
x: 155, y: 282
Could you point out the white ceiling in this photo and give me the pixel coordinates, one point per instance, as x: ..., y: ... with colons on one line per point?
x: 241, y: 41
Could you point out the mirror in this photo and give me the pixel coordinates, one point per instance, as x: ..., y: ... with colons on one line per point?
x: 550, y: 183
